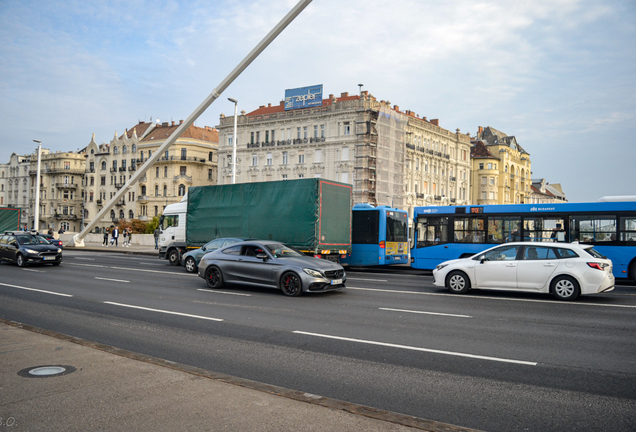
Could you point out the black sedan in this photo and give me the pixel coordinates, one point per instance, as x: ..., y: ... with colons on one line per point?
x: 270, y: 264
x: 52, y: 240
x: 24, y: 248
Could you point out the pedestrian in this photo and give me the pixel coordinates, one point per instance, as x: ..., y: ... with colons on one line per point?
x: 25, y: 228
x: 105, y: 243
x: 61, y: 231
x: 115, y: 235
x: 157, y: 233
x: 50, y: 231
x: 129, y: 236
x: 125, y: 233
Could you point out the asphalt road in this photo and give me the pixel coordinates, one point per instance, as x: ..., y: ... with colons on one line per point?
x: 487, y: 360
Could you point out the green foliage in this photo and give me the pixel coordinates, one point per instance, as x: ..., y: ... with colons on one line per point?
x: 151, y: 225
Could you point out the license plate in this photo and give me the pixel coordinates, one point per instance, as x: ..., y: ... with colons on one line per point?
x: 397, y: 258
x: 49, y: 258
x: 336, y: 282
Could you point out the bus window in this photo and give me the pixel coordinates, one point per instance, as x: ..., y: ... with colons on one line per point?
x: 431, y: 231
x: 501, y: 229
x: 592, y: 229
x: 544, y: 229
x: 396, y: 227
x: 628, y: 229
x: 469, y: 230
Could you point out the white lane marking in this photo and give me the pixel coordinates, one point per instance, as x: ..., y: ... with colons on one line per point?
x: 34, y: 289
x: 373, y: 280
x: 224, y: 292
x: 113, y: 280
x: 412, y: 348
x: 31, y: 270
x: 426, y: 313
x: 134, y: 269
x: 162, y: 311
x: 459, y: 296
x: 86, y: 259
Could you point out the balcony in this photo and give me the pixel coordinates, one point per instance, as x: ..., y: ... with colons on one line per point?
x: 66, y: 185
x: 122, y: 169
x: 143, y: 179
x: 142, y: 218
x: 113, y: 170
x: 90, y: 170
x: 120, y: 203
x: 99, y: 202
x: 65, y: 216
x: 119, y: 185
x: 132, y: 168
x: 142, y: 198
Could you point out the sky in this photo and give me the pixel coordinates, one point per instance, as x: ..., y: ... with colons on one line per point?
x: 559, y: 75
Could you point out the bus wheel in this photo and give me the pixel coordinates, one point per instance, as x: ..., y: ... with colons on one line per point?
x: 457, y: 282
x: 632, y: 271
x: 565, y: 288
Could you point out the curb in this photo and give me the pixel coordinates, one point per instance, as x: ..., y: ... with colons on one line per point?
x: 374, y: 413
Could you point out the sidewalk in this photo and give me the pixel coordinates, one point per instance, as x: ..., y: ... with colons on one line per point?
x: 133, y: 249
x: 106, y: 388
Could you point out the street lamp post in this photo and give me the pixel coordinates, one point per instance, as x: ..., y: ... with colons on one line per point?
x: 36, y: 220
x: 234, y: 140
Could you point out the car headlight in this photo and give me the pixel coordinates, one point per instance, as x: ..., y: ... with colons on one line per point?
x: 312, y: 272
x: 59, y: 250
x: 31, y: 251
x: 441, y: 266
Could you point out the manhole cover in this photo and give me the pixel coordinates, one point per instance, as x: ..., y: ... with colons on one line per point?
x: 46, y: 371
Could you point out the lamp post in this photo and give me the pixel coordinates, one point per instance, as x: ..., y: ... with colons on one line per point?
x: 36, y: 220
x: 234, y: 140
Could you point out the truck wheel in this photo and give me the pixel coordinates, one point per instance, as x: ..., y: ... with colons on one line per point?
x: 213, y: 277
x: 173, y: 257
x: 291, y: 285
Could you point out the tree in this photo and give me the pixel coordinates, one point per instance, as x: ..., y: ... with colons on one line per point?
x: 152, y: 224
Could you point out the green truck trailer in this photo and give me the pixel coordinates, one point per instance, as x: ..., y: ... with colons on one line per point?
x: 312, y: 215
x: 9, y: 219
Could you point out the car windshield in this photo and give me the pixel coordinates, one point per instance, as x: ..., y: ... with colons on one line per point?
x: 28, y: 240
x: 280, y: 250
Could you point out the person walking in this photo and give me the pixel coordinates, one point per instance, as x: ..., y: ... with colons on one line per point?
x: 105, y: 243
x: 115, y: 235
x: 50, y: 231
x: 125, y: 233
x: 157, y: 233
x: 129, y: 236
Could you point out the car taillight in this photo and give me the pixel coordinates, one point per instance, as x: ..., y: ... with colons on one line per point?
x: 382, y: 245
x: 597, y: 266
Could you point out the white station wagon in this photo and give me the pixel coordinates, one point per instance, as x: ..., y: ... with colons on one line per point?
x: 566, y: 270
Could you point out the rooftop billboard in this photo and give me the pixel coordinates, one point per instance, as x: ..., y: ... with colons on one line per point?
x: 303, y: 97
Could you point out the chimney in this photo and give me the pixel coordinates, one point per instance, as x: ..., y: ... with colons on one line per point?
x: 173, y: 122
x: 395, y: 107
x: 180, y: 121
x: 424, y: 118
x: 269, y: 105
x: 345, y: 94
x: 435, y: 122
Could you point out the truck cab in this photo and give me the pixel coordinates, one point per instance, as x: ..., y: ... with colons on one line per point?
x: 172, y: 241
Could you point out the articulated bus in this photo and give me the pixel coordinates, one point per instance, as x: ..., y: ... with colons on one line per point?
x: 379, y: 236
x: 450, y: 232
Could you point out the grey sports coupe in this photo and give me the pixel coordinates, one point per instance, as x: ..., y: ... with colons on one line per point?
x: 270, y: 264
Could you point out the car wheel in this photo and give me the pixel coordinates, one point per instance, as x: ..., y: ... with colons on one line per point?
x: 56, y: 264
x: 19, y: 260
x: 457, y: 282
x: 173, y: 257
x: 190, y: 265
x: 214, y: 277
x: 291, y: 285
x: 565, y: 288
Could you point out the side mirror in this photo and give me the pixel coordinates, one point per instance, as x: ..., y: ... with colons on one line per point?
x: 262, y: 256
x: 482, y: 259
x: 203, y: 248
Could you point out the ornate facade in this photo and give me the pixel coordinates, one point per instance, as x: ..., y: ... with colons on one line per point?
x: 190, y: 161
x: 351, y: 139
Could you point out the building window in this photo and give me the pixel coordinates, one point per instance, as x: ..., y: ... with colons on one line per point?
x: 481, y: 166
x: 316, y: 131
x: 318, y: 157
x: 103, y: 181
x: 209, y: 174
x: 114, y: 165
x: 157, y: 172
x: 285, y: 158
x: 114, y: 150
x: 284, y: 176
x: 252, y: 138
x: 165, y: 171
x: 165, y: 190
x: 322, y: 131
x: 305, y: 132
x: 184, y: 154
x: 492, y: 181
x: 124, y: 150
x: 266, y: 136
x: 269, y: 160
x: 156, y: 190
x: 484, y: 180
x: 345, y: 154
x: 182, y: 170
x: 272, y: 137
x: 156, y: 211
x: 347, y: 128
x: 254, y: 160
x: 181, y: 190
x: 344, y: 177
x: 301, y: 158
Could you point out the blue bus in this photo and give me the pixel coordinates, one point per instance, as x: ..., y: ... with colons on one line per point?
x: 379, y: 236
x: 449, y: 232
